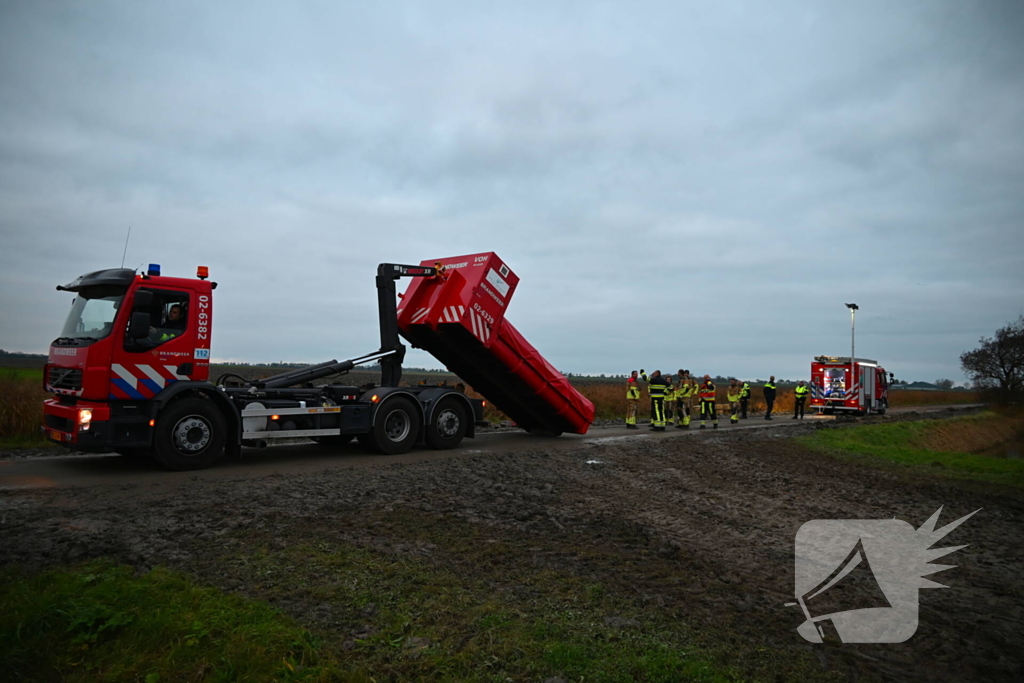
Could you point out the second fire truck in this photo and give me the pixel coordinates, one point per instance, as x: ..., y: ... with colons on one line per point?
x: 841, y: 384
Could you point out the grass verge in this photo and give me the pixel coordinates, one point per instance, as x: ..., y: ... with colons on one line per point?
x: 435, y: 602
x: 903, y: 444
x: 101, y: 622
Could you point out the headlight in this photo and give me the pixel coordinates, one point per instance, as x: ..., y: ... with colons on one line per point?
x: 84, y: 418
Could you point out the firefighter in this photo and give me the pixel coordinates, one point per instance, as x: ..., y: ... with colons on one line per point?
x: 733, y: 394
x: 684, y: 394
x: 801, y: 392
x: 656, y: 389
x: 670, y: 401
x: 632, y: 399
x: 769, y: 397
x: 744, y: 400
x: 708, y: 392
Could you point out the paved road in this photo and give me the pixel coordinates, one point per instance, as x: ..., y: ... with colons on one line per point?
x: 113, y: 470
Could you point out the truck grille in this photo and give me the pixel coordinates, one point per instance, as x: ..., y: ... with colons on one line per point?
x: 64, y: 378
x: 60, y: 423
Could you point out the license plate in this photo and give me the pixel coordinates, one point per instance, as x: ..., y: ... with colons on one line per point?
x: 56, y: 436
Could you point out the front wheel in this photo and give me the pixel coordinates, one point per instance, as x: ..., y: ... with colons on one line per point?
x: 396, y: 426
x: 190, y: 435
x: 448, y: 426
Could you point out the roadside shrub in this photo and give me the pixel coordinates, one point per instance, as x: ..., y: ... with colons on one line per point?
x: 21, y: 406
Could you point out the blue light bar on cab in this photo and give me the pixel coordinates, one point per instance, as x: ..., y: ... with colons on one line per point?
x: 154, y: 269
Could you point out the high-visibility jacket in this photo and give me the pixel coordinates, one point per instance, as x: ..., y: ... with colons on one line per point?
x: 745, y: 391
x: 801, y: 392
x: 708, y: 391
x: 656, y: 387
x: 632, y: 388
x: 769, y: 390
x: 731, y: 396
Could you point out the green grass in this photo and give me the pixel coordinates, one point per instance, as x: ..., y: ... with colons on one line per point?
x: 898, y: 444
x: 467, y: 610
x: 35, y: 374
x: 100, y: 622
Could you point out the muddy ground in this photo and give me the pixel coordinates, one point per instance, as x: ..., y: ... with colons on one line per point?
x: 701, y: 526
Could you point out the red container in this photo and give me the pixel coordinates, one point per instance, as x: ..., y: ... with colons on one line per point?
x: 459, y: 318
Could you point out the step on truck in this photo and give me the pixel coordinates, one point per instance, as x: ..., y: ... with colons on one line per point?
x: 130, y: 374
x: 840, y: 384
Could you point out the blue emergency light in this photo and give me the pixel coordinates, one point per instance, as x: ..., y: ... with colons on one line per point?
x: 154, y: 269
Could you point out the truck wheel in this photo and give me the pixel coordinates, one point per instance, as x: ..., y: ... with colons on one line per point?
x: 190, y: 435
x: 448, y: 425
x: 395, y: 427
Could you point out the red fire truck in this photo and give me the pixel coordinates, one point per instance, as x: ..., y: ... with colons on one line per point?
x: 130, y: 372
x: 859, y: 387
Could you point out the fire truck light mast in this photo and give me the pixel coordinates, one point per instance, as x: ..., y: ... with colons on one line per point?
x: 853, y: 314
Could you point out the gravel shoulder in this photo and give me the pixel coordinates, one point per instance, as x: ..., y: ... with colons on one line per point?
x: 702, y: 527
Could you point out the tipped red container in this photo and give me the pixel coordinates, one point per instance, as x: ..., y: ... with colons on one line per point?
x: 459, y: 318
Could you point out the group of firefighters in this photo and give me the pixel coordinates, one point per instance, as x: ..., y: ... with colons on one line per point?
x: 672, y: 404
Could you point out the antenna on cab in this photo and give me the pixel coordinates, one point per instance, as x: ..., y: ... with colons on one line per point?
x: 126, y: 245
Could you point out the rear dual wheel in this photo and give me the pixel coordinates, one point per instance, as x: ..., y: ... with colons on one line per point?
x: 448, y: 425
x: 396, y: 426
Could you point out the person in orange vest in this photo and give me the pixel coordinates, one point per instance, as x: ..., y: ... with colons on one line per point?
x: 632, y: 399
x: 708, y: 392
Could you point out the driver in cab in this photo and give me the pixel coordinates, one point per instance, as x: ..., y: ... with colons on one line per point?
x: 172, y: 327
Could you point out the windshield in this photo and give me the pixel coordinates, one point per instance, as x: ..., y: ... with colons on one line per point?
x: 93, y: 312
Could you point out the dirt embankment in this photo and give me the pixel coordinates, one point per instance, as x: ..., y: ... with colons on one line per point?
x: 699, y: 527
x: 974, y: 435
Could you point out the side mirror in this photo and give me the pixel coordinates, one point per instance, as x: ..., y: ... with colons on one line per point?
x: 143, y: 299
x: 138, y: 326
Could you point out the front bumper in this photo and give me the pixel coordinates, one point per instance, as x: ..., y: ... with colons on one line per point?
x: 107, y: 431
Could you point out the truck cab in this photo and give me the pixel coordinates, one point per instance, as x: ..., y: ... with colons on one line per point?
x: 127, y: 338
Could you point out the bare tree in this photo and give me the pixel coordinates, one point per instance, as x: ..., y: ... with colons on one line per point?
x: 999, y: 362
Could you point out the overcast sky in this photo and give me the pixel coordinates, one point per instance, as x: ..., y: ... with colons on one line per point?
x: 698, y: 185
